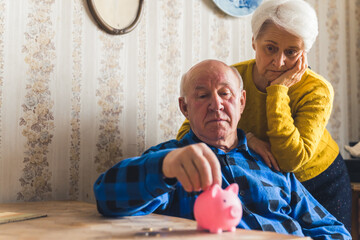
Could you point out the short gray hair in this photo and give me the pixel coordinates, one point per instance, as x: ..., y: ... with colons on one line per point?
x: 182, y: 85
x: 295, y: 16
x: 237, y: 74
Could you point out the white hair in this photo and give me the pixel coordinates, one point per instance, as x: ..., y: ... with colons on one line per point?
x: 295, y: 16
x: 237, y: 74
x: 182, y: 85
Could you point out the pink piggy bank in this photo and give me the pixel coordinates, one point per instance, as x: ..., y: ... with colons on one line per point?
x: 216, y: 209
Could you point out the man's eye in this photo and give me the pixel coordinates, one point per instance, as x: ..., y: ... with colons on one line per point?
x: 226, y: 94
x: 202, y: 96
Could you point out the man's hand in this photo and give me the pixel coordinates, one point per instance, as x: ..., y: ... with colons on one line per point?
x: 195, y: 166
x: 263, y: 149
x: 293, y: 75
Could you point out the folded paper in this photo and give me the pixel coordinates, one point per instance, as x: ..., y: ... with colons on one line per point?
x: 7, y: 217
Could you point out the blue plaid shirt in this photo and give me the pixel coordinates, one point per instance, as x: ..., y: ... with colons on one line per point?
x: 271, y: 200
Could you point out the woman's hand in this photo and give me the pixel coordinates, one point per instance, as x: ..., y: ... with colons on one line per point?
x: 263, y: 149
x: 294, y: 74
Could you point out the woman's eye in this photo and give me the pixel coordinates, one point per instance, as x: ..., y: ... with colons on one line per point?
x: 291, y: 53
x: 270, y: 49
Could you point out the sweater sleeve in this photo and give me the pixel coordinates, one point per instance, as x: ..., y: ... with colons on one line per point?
x: 134, y: 186
x: 184, y: 129
x: 295, y: 132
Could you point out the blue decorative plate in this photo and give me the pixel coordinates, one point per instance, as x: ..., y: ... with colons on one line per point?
x: 237, y: 8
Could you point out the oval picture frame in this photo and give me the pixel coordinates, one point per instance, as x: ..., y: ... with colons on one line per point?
x: 106, y: 26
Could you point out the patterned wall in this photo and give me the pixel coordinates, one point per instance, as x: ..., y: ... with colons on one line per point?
x: 75, y: 100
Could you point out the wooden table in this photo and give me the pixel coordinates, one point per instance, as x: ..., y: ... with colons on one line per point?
x: 79, y: 220
x: 355, y: 224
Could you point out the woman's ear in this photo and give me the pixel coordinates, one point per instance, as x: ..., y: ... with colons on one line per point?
x: 183, y: 106
x: 253, y: 43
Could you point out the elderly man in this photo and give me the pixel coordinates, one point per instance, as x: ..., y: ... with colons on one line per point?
x: 213, y: 152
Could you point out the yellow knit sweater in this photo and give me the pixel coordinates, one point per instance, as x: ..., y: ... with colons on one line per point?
x: 292, y: 119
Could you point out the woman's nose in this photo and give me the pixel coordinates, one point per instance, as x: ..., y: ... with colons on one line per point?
x: 279, y: 60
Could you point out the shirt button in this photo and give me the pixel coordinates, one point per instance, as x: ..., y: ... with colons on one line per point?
x: 242, y: 193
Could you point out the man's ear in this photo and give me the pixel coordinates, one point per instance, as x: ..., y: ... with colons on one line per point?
x: 183, y: 107
x: 242, y: 100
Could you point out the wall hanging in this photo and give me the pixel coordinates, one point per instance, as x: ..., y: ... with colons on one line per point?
x: 116, y: 16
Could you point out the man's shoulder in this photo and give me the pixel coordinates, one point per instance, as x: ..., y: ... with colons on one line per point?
x: 162, y: 146
x: 170, y: 144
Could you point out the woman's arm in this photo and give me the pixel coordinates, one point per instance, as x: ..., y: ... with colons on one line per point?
x: 295, y: 128
x: 263, y: 149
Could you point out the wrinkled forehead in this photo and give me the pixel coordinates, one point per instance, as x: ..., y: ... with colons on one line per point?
x: 270, y: 32
x: 212, y: 76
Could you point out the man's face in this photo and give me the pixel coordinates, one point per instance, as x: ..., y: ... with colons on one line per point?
x: 214, y: 102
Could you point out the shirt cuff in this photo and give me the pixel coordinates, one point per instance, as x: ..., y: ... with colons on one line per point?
x: 155, y: 182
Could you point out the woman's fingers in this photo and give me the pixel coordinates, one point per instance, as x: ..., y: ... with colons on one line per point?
x: 269, y: 159
x: 273, y: 162
x: 264, y: 150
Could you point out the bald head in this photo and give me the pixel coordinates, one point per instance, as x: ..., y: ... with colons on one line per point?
x: 205, y: 67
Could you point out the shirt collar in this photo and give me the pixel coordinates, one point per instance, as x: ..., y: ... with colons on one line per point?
x: 191, y: 138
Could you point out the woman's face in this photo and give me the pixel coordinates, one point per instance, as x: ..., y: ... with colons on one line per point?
x: 276, y: 52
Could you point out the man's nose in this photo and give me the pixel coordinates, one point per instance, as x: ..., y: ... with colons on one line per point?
x: 216, y: 103
x: 279, y: 60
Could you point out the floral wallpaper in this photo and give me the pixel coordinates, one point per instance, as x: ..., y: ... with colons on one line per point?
x: 2, y: 29
x: 75, y: 100
x: 110, y: 99
x: 170, y: 52
x: 332, y: 25
x: 77, y: 40
x: 37, y: 113
x: 220, y: 36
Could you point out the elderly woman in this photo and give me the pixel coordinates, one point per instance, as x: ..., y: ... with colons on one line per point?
x: 288, y: 105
